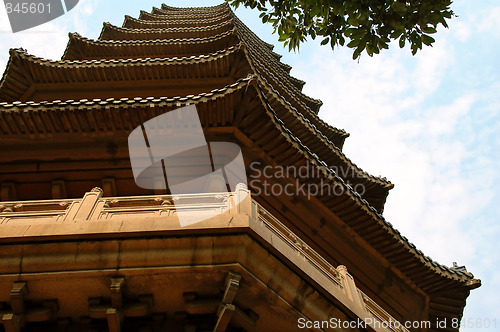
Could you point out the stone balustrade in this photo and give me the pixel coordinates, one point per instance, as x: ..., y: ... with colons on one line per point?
x: 93, y: 207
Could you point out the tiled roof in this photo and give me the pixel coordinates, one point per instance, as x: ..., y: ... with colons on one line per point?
x: 80, y: 47
x: 111, y: 32
x: 202, y: 10
x: 181, y: 15
x: 152, y: 20
x: 48, y: 71
x: 18, y: 78
x: 306, y: 125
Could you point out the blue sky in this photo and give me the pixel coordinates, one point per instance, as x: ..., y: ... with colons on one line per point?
x: 429, y: 123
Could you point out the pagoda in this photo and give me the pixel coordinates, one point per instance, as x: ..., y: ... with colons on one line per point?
x: 85, y: 248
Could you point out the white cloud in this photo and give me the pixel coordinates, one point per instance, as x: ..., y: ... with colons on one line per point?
x: 430, y: 68
x: 48, y: 40
x: 490, y: 21
x: 79, y: 17
x: 401, y: 129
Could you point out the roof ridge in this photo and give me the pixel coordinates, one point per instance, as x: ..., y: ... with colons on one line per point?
x: 287, y: 76
x: 162, y: 18
x: 222, y: 5
x: 338, y: 130
x: 159, y: 30
x: 24, y: 54
x: 18, y: 104
x: 293, y: 95
x: 152, y: 41
x: 159, y: 11
x: 313, y: 114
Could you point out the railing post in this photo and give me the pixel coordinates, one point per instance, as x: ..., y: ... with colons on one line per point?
x: 86, y: 208
x: 349, y: 286
x: 243, y: 199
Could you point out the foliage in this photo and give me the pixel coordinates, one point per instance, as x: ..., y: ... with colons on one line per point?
x: 363, y: 25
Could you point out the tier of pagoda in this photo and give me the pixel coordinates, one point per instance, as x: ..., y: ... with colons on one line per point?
x: 114, y: 258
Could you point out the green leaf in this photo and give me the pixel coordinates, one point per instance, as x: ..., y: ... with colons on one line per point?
x: 357, y: 52
x: 427, y: 40
x: 443, y: 22
x: 402, y: 41
x: 352, y: 21
x: 315, y: 11
x: 414, y: 49
x: 283, y: 37
x: 371, y: 49
x: 397, y: 33
x: 376, y: 22
x: 353, y: 43
x: 429, y: 30
x: 399, y: 7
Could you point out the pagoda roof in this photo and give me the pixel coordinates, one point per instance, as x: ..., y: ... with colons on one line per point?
x: 286, y: 68
x: 100, y: 49
x: 283, y: 80
x: 376, y: 189
x: 305, y: 128
x: 52, y: 117
x: 71, y: 74
x: 111, y: 32
x: 146, y: 18
x: 24, y: 71
x: 308, y: 102
x: 203, y: 10
x: 80, y: 48
x: 187, y: 15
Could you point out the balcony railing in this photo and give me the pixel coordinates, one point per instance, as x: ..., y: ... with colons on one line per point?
x: 93, y: 207
x: 339, y: 276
